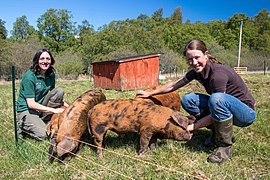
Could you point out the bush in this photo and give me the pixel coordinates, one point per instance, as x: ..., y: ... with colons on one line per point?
x: 69, y: 69
x: 169, y: 60
x: 68, y: 65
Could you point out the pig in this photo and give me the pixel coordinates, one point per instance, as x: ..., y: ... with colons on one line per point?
x: 151, y: 121
x: 171, y: 99
x: 72, y: 124
x: 53, y: 124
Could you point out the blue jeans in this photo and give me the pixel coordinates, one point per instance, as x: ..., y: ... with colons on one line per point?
x: 221, y: 107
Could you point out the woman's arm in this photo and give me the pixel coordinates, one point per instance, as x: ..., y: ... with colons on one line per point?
x: 32, y: 104
x: 205, y: 121
x: 172, y: 86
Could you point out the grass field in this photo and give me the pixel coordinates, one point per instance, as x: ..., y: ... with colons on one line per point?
x: 171, y: 160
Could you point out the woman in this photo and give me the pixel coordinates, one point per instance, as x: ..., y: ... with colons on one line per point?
x: 229, y: 101
x: 38, y: 98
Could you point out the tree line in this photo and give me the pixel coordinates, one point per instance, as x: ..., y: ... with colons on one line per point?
x: 75, y: 46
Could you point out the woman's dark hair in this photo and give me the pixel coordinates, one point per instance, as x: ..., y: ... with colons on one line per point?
x: 35, y: 67
x: 199, y: 45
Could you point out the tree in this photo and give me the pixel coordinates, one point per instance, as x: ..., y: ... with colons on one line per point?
x: 176, y: 36
x: 262, y: 23
x: 83, y: 30
x: 216, y: 28
x: 5, y: 58
x: 177, y: 16
x: 57, y: 29
x: 228, y: 36
x: 187, y: 22
x: 142, y: 17
x: 263, y: 42
x: 262, y: 20
x: 3, y: 30
x: 21, y: 29
x: 23, y: 53
x: 157, y: 15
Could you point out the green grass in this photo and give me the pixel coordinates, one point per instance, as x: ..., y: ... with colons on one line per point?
x: 171, y: 159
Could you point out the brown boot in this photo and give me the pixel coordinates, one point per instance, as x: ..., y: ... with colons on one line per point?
x: 223, y: 130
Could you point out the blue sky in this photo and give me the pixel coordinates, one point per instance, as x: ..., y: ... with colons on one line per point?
x: 103, y: 12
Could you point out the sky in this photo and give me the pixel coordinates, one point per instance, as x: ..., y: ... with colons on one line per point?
x: 101, y: 12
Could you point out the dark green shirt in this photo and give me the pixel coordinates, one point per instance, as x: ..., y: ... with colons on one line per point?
x: 34, y: 86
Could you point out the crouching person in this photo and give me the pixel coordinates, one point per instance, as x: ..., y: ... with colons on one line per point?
x: 228, y: 102
x: 38, y: 98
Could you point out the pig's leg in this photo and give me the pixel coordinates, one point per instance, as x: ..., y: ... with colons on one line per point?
x: 99, y: 132
x: 52, y: 149
x: 145, y: 136
x: 153, y: 142
x: 98, y: 142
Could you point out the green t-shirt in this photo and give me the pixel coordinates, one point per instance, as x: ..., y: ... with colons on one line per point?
x: 34, y: 86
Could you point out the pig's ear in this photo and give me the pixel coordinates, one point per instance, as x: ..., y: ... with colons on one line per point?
x: 67, y: 145
x: 180, y: 119
x: 49, y: 128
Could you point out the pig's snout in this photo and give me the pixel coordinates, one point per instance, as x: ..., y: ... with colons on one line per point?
x: 185, y: 136
x: 188, y: 136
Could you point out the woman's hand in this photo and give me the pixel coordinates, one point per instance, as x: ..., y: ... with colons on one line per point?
x: 58, y: 110
x: 66, y: 104
x: 190, y: 127
x: 34, y: 105
x: 142, y: 94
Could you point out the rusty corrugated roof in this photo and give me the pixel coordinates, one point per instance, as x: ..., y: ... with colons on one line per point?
x: 131, y: 58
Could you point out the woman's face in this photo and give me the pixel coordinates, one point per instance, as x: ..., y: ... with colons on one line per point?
x: 196, y: 59
x: 44, y: 62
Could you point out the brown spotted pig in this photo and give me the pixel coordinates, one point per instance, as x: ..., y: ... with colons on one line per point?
x: 171, y: 99
x: 53, y: 124
x: 129, y: 115
x: 72, y: 124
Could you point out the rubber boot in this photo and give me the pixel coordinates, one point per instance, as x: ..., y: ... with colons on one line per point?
x: 46, y: 116
x: 210, y: 141
x: 224, y: 130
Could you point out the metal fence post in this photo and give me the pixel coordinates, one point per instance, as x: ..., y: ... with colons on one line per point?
x: 14, y: 104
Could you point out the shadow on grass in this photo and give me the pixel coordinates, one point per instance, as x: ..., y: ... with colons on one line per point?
x: 122, y: 140
x: 114, y: 141
x: 197, y: 141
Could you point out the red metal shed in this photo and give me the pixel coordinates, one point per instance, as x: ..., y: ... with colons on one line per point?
x: 127, y: 73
